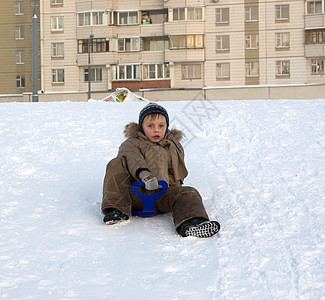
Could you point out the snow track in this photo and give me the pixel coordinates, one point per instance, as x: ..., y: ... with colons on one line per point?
x: 259, y: 166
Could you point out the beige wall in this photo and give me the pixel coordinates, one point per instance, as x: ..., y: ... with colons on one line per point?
x: 9, y: 45
x: 267, y: 54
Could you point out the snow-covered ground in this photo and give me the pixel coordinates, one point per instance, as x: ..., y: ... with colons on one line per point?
x: 259, y: 165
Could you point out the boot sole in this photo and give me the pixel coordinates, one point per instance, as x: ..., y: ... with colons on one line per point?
x: 203, y: 230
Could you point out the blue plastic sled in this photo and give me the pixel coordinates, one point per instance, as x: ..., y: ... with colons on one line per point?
x: 149, y: 201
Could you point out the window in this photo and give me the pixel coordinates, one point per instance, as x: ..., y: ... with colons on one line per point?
x: 56, y: 2
x: 251, y: 69
x: 187, y: 13
x: 57, y: 75
x: 223, y: 70
x: 57, y: 49
x: 194, y: 14
x: 96, y: 74
x: 186, y: 41
x: 222, y: 15
x: 251, y: 13
x: 83, y: 19
x: 282, y: 68
x: 223, y: 43
x: 154, y: 45
x: 282, y: 40
x: 191, y: 71
x: 90, y: 18
x: 96, y: 45
x: 34, y: 3
x: 57, y: 23
x: 282, y: 12
x: 97, y: 18
x: 126, y: 72
x: 155, y: 71
x: 128, y: 18
x: 179, y: 14
x: 314, y: 7
x: 251, y: 41
x: 19, y: 7
x: 317, y: 66
x: 20, y: 57
x: 20, y: 81
x: 315, y: 36
x: 129, y: 44
x: 19, y: 32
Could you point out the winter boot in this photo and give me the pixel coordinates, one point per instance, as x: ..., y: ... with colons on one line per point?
x: 114, y: 216
x: 199, y: 228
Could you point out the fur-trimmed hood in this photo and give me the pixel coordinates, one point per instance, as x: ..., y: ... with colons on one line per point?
x: 165, y: 160
x: 132, y: 130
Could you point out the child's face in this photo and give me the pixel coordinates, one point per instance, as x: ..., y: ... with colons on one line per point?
x: 154, y: 127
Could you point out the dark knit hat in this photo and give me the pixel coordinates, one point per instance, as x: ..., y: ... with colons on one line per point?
x: 152, y: 108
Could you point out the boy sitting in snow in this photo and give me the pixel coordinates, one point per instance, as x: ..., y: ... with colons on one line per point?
x: 151, y: 153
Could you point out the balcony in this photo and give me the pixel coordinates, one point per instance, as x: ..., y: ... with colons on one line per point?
x: 315, y: 21
x: 151, y: 30
x: 315, y: 50
x: 185, y: 55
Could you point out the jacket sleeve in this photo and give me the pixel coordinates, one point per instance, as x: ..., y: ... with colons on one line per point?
x: 134, y: 157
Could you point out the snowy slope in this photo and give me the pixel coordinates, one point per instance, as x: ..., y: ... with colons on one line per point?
x: 259, y: 166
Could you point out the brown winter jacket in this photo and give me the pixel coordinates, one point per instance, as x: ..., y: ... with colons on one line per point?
x: 165, y: 161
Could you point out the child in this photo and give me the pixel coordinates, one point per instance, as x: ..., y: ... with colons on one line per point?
x: 151, y: 153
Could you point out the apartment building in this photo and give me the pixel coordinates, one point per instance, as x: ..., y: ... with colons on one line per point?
x: 180, y: 44
x: 16, y: 46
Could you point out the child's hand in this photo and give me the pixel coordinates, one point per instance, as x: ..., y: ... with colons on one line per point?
x: 150, y: 182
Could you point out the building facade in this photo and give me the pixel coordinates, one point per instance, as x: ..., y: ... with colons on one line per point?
x: 143, y: 44
x: 16, y: 46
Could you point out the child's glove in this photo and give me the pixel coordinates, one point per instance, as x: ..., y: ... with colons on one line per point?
x: 150, y: 182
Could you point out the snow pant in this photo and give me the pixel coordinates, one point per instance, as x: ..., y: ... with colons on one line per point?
x: 185, y: 203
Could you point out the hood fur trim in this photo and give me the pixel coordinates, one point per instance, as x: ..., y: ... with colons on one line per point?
x: 132, y: 130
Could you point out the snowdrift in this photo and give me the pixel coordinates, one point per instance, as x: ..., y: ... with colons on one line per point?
x: 259, y: 166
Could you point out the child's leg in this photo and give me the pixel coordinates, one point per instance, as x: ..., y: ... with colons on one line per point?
x: 117, y: 187
x: 184, y: 202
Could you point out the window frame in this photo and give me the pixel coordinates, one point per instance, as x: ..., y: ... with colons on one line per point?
x: 55, y: 24
x: 249, y: 12
x: 133, y: 42
x: 220, y: 39
x: 128, y: 18
x: 155, y: 44
x: 55, y: 49
x: 311, y: 7
x: 19, y: 32
x: 315, y: 36
x: 135, y: 72
x: 189, y: 71
x: 317, y: 63
x: 20, y: 82
x: 184, y: 14
x: 281, y: 64
x: 280, y: 11
x: 164, y: 68
x: 223, y: 67
x: 96, y: 74
x: 249, y: 39
x: 279, y: 40
x: 56, y: 2
x: 20, y: 57
x: 86, y: 19
x: 183, y: 41
x: 251, y: 70
x: 224, y: 13
x: 19, y: 8
x: 96, y: 44
x: 56, y: 74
